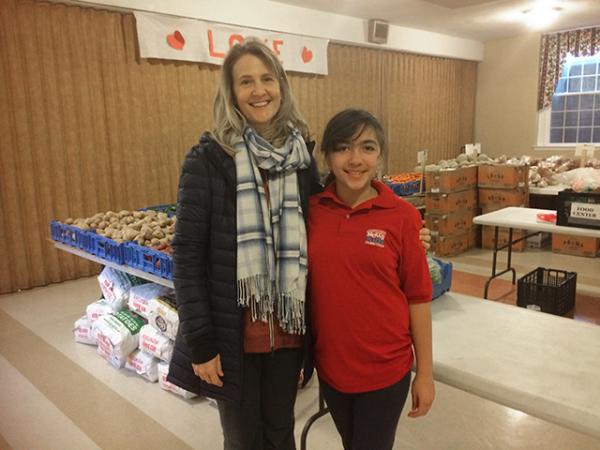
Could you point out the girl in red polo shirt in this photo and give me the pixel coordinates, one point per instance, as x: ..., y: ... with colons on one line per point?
x: 370, y: 290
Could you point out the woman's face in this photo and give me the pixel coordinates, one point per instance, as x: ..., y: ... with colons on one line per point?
x: 256, y: 90
x: 354, y: 163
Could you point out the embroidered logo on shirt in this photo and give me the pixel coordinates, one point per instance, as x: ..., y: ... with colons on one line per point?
x: 375, y: 237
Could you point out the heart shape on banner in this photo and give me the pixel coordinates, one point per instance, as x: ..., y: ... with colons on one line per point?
x: 176, y: 40
x: 307, y: 55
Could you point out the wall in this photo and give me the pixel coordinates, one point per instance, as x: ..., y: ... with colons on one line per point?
x: 506, y: 110
x: 308, y: 22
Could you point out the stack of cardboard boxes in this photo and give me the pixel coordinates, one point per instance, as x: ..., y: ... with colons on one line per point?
x: 451, y: 204
x: 501, y: 186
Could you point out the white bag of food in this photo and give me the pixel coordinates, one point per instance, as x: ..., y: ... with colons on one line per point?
x: 163, y: 371
x: 115, y: 360
x: 115, y: 286
x: 83, y: 331
x: 97, y: 309
x: 163, y: 316
x: 140, y: 297
x: 155, y: 343
x: 117, y: 335
x: 143, y: 364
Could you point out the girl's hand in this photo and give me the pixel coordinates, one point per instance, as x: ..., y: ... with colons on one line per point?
x: 423, y: 393
x: 210, y: 371
x: 425, y: 236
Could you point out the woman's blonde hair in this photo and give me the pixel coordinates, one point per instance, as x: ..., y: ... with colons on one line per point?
x: 229, y: 121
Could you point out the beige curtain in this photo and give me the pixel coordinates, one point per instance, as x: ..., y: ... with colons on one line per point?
x: 427, y: 103
x: 87, y: 126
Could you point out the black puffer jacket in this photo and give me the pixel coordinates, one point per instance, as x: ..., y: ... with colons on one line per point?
x: 205, y: 261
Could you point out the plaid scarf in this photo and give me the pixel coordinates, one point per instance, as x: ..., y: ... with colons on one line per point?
x: 271, y: 244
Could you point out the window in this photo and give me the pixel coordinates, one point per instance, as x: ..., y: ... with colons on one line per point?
x: 575, y: 109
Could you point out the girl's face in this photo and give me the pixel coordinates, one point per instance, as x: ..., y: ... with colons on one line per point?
x: 354, y: 163
x: 256, y: 90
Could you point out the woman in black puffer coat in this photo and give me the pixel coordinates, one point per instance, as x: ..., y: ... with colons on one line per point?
x: 240, y: 254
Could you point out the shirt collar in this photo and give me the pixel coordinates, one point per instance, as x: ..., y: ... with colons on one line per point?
x: 385, y: 198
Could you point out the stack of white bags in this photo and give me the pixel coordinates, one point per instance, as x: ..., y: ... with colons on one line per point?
x: 133, y: 326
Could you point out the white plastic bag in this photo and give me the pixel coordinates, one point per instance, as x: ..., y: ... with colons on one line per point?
x: 83, y: 331
x: 115, y: 286
x: 155, y: 343
x: 117, y: 336
x: 98, y: 309
x: 163, y: 316
x: 140, y: 297
x: 163, y: 371
x: 143, y: 364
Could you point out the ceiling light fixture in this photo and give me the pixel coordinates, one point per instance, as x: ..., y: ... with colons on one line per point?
x: 541, y: 14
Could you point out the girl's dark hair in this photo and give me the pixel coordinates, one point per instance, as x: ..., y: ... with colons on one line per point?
x: 348, y: 124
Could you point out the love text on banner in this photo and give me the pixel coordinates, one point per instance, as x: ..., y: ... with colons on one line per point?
x: 183, y: 39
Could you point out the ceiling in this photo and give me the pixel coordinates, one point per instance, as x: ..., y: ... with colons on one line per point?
x: 482, y: 20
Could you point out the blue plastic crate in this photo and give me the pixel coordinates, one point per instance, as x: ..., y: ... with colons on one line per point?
x: 444, y: 286
x: 71, y: 235
x: 408, y: 188
x: 106, y: 248
x: 148, y: 260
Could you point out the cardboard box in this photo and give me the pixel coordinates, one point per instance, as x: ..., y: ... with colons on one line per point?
x: 487, y: 238
x: 450, y: 224
x: 454, y: 180
x: 540, y: 240
x: 453, y: 245
x: 503, y: 176
x: 453, y: 202
x: 494, y: 199
x: 575, y: 245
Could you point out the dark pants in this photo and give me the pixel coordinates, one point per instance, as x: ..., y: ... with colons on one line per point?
x: 367, y: 421
x: 265, y: 419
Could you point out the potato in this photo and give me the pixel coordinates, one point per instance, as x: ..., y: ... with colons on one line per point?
x: 129, y: 234
x: 158, y: 233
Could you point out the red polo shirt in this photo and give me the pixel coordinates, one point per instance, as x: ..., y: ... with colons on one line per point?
x: 367, y: 265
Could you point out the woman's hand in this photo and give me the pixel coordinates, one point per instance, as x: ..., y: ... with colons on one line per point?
x: 425, y: 236
x: 210, y: 371
x: 423, y: 393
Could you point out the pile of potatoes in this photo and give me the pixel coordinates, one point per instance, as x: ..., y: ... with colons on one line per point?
x: 148, y: 228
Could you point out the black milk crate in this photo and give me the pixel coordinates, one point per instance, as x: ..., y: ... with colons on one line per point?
x: 578, y: 209
x: 547, y: 290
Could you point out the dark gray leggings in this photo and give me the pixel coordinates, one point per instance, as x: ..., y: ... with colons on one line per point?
x: 265, y: 419
x: 367, y: 421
